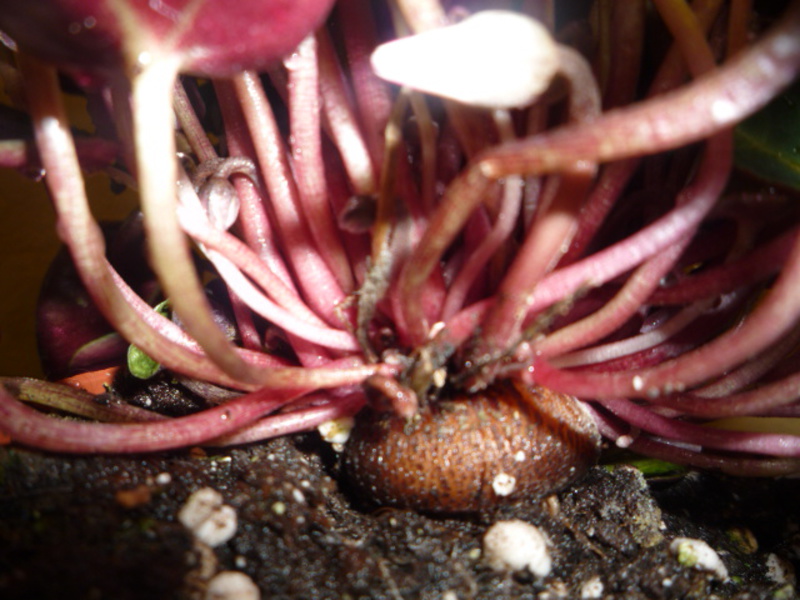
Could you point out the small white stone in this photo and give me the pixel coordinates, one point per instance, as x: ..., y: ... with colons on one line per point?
x: 163, y: 478
x: 439, y: 377
x: 219, y: 528
x: 209, y: 520
x: 232, y: 585
x: 516, y: 545
x: 199, y: 507
x: 492, y: 59
x: 503, y: 484
x: 779, y: 570
x: 592, y: 589
x: 624, y: 441
x: 336, y: 431
x: 698, y: 555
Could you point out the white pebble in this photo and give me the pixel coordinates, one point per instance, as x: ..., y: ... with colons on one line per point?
x: 199, y: 506
x: 336, y: 431
x: 492, y: 59
x: 209, y: 520
x: 503, y: 484
x: 779, y: 570
x: 516, y: 545
x: 232, y: 585
x: 624, y: 441
x: 592, y: 589
x: 698, y: 555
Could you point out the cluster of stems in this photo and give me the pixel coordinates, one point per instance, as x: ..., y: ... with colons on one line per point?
x: 372, y: 237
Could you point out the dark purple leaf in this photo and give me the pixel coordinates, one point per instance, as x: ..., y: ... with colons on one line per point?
x: 212, y: 37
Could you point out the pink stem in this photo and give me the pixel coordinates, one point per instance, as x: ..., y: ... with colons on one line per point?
x: 638, y: 343
x: 82, y: 235
x: 734, y: 464
x: 342, y: 122
x: 708, y: 105
x: 768, y: 321
x: 303, y: 419
x: 760, y: 401
x: 673, y: 429
x: 191, y: 126
x: 613, y: 314
x: 197, y: 225
x: 309, y: 169
x: 320, y: 287
x: 33, y: 428
x: 694, y: 203
x: 538, y: 253
x: 465, y: 193
x: 170, y: 254
x: 753, y: 370
x: 93, y: 154
x: 478, y: 258
x: 373, y: 101
x: 762, y: 263
x: 253, y: 220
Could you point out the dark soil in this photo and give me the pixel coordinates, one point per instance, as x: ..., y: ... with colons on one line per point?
x: 106, y: 527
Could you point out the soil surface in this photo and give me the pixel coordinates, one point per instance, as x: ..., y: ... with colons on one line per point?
x: 107, y: 527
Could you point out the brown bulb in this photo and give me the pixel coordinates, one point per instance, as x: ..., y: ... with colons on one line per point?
x: 472, y: 452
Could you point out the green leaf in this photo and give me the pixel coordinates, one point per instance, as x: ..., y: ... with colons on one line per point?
x: 140, y: 364
x: 768, y: 143
x: 651, y: 468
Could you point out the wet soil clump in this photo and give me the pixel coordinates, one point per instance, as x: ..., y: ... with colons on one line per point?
x: 107, y: 527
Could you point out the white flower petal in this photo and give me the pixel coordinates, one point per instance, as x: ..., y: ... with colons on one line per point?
x: 492, y: 59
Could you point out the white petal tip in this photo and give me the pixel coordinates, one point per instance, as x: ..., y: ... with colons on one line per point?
x: 492, y: 59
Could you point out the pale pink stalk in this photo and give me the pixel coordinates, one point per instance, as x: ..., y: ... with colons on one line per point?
x: 638, y: 343
x: 256, y: 229
x: 81, y: 233
x: 479, y: 256
x: 705, y: 437
x: 305, y: 143
x: 318, y: 284
x: 768, y: 321
x: 302, y: 419
x: 694, y: 203
x: 762, y: 263
x: 342, y: 122
x: 716, y: 101
x: 637, y: 289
